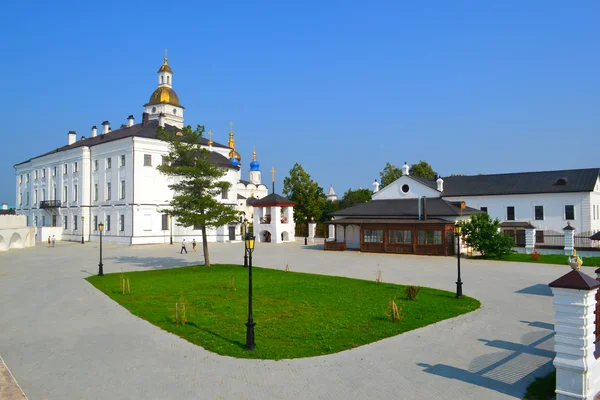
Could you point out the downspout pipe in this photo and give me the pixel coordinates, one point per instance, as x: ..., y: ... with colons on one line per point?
x: 132, y: 187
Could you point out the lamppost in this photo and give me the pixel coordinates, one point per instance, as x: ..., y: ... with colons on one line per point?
x: 82, y: 228
x: 171, y: 218
x: 306, y: 233
x: 249, y: 245
x: 457, y: 229
x: 100, y: 271
x: 245, y: 248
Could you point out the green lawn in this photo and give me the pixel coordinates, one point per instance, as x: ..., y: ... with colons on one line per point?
x: 542, y: 388
x: 296, y: 314
x: 546, y: 259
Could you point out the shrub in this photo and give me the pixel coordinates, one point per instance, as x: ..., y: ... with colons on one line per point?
x: 180, y: 317
x: 393, y: 311
x: 535, y: 255
x: 482, y: 233
x: 412, y: 292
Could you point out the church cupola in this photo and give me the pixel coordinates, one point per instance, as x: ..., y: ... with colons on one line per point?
x: 405, y: 169
x: 254, y: 169
x: 164, y: 99
x: 375, y: 186
x: 331, y: 196
x: 233, y: 154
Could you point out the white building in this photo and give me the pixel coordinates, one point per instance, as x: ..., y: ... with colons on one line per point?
x: 111, y: 177
x: 331, y: 196
x: 250, y: 191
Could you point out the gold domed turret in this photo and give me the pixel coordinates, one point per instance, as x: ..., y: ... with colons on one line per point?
x: 164, y: 95
x: 231, y: 144
x: 165, y: 66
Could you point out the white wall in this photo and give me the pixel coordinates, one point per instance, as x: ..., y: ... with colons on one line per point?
x: 415, y: 189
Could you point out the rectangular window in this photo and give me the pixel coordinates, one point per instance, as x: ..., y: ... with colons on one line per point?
x: 430, y: 237
x: 224, y: 194
x: 43, y: 194
x: 75, y: 194
x: 95, y: 165
x: 123, y: 160
x: 373, y: 236
x: 27, y: 198
x: 510, y: 213
x: 35, y: 197
x: 20, y: 179
x: 27, y: 178
x: 400, y: 237
x: 108, y: 191
x: 65, y: 169
x: 569, y: 212
x: 163, y: 160
x: 75, y: 222
x: 122, y: 190
x: 108, y: 223
x: 21, y: 198
x: 35, y: 174
x: 35, y: 220
x: 539, y: 213
x: 65, y: 222
x: 165, y: 222
x: 147, y: 160
x: 65, y: 191
x: 44, y: 173
x: 43, y: 220
x: 108, y: 163
x: 197, y: 227
x: 122, y: 222
x: 484, y: 209
x: 95, y: 222
x: 54, y: 170
x: 95, y: 192
x: 539, y: 237
x: 76, y: 167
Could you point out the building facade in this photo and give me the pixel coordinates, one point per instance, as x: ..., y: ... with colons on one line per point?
x: 111, y: 177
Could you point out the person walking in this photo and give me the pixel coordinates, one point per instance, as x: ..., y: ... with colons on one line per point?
x: 53, y: 240
x: 194, y: 244
x: 183, y: 247
x: 48, y: 241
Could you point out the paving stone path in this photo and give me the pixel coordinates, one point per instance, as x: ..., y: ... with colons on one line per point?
x: 65, y: 340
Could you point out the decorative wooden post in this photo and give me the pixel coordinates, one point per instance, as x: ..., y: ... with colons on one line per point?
x: 312, y: 225
x: 569, y: 232
x: 331, y: 233
x: 575, y: 307
x: 529, y: 238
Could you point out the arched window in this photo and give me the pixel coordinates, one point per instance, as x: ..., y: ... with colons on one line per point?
x: 161, y: 79
x: 168, y: 79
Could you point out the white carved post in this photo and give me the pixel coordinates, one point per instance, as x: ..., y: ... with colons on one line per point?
x: 331, y: 233
x: 529, y: 238
x: 312, y: 225
x: 576, y: 365
x: 569, y: 232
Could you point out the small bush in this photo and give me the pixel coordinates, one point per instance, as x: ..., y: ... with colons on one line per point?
x: 180, y: 317
x: 412, y: 292
x: 535, y: 255
x: 378, y: 277
x: 393, y: 311
x: 232, y: 283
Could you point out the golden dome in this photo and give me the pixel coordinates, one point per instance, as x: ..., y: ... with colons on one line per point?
x: 234, y: 154
x: 165, y: 67
x: 164, y: 95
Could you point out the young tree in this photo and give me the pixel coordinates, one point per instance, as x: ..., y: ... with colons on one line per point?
x: 389, y: 174
x: 422, y: 169
x: 197, y: 183
x: 306, y: 193
x: 352, y: 197
x: 482, y: 233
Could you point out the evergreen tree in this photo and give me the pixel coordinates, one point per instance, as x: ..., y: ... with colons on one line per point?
x: 306, y: 193
x: 197, y: 185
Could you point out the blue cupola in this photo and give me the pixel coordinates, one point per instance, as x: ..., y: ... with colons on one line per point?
x: 254, y: 165
x: 234, y: 161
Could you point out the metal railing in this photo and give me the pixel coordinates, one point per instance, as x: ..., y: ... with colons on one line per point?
x: 49, y: 203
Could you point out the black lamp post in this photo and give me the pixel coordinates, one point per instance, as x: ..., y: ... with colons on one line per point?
x: 457, y: 229
x: 306, y: 233
x: 245, y: 247
x: 82, y: 228
x: 171, y: 218
x: 249, y: 245
x: 100, y: 271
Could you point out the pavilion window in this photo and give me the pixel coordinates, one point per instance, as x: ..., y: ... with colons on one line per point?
x: 430, y: 237
x: 373, y: 236
x: 400, y: 237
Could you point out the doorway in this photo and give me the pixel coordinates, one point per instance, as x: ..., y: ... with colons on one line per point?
x: 232, y: 233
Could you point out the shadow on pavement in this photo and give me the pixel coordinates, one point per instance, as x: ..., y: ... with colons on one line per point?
x: 154, y: 262
x: 510, y: 369
x: 540, y: 289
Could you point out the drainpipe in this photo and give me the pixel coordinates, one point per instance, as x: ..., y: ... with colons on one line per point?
x: 132, y: 186
x: 91, y: 191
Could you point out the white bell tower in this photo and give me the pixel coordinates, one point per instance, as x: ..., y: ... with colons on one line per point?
x: 164, y: 100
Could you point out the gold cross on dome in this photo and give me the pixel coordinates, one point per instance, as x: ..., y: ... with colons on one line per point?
x: 210, y: 134
x: 273, y: 174
x: 231, y: 125
x: 166, y: 55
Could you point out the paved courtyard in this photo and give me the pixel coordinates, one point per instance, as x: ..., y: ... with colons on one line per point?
x: 62, y: 339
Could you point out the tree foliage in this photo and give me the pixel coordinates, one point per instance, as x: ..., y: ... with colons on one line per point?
x: 389, y: 174
x: 482, y: 234
x: 352, y: 197
x: 422, y: 169
x: 197, y: 183
x: 306, y: 193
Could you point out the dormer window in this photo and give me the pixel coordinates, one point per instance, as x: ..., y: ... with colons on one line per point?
x: 561, y: 182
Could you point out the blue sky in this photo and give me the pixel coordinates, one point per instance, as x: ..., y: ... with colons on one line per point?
x: 340, y: 87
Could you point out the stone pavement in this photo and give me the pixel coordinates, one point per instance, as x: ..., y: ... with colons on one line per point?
x: 64, y: 340
x: 9, y: 388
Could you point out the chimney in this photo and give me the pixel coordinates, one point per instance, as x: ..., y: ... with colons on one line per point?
x: 145, y: 119
x: 4, y: 206
x: 130, y: 121
x: 405, y: 169
x: 72, y: 137
x: 375, y: 186
x: 105, y: 127
x: 94, y: 131
x: 161, y: 119
x: 440, y: 184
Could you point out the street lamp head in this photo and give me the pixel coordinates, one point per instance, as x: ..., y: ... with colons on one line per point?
x: 82, y: 218
x: 246, y: 221
x: 249, y: 242
x: 170, y: 216
x: 101, y: 226
x: 457, y: 228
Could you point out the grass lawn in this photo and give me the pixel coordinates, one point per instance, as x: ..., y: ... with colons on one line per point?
x: 546, y: 259
x: 296, y: 314
x: 542, y: 388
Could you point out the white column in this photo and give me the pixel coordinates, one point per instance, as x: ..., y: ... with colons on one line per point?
x: 331, y: 234
x: 311, y: 231
x: 576, y: 366
x: 529, y: 239
x: 569, y: 232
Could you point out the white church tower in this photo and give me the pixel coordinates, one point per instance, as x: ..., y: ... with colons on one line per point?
x: 254, y: 169
x: 164, y: 101
x: 331, y: 196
